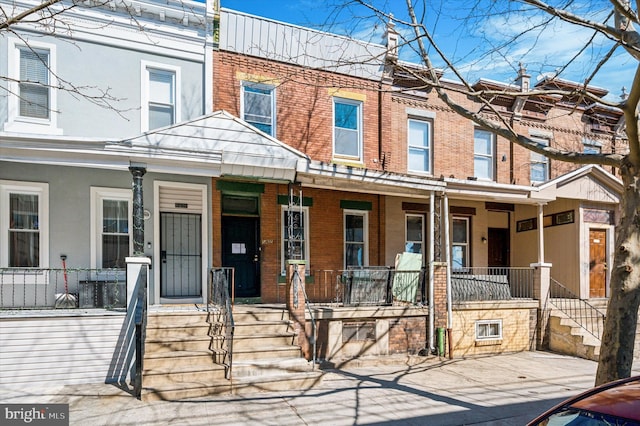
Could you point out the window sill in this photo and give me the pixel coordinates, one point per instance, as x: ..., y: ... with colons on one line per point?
x: 489, y: 342
x: 348, y: 163
x: 32, y: 127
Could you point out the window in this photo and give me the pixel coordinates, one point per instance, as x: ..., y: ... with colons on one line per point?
x: 160, y: 97
x: 112, y: 210
x: 591, y: 146
x: 347, y: 131
x: 489, y: 330
x: 32, y: 79
x: 414, y: 233
x: 24, y: 238
x: 355, y: 239
x: 483, y: 154
x: 419, y: 142
x: 539, y: 164
x: 460, y: 246
x: 258, y: 106
x: 295, y: 241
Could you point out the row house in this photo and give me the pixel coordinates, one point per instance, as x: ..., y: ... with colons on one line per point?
x: 383, y: 151
x: 253, y: 144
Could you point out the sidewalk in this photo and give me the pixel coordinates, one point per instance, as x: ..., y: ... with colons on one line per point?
x: 499, y: 390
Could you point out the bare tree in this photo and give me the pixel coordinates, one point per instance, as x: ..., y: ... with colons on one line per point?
x: 613, y: 26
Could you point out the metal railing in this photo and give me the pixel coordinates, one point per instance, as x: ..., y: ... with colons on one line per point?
x: 579, y: 310
x: 219, y: 302
x: 40, y: 288
x: 491, y: 283
x: 368, y: 286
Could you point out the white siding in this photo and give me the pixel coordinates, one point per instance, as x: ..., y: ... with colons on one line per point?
x: 57, y: 350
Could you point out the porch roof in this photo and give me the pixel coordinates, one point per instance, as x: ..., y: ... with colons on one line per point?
x: 481, y: 190
x: 589, y: 183
x: 217, y: 144
x: 335, y: 176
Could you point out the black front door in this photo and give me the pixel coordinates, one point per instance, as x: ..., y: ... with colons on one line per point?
x: 240, y: 250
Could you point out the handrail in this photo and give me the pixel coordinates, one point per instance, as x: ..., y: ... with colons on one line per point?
x: 219, y: 296
x: 140, y: 330
x: 579, y: 310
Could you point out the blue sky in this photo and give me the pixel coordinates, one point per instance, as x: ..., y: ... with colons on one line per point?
x: 466, y: 30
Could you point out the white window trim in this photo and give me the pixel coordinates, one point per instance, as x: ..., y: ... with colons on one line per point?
x: 35, y: 188
x: 467, y: 244
x: 144, y: 94
x: 480, y: 323
x: 547, y: 142
x: 271, y: 87
x: 492, y: 156
x: 406, y: 239
x: 15, y: 122
x: 429, y: 123
x: 365, y: 224
x: 283, y: 248
x: 97, y: 196
x: 360, y: 157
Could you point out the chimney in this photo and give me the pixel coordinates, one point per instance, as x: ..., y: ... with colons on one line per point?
x: 392, y: 41
x: 524, y: 79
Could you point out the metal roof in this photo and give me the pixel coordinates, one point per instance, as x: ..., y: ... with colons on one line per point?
x: 225, y: 144
x: 278, y: 41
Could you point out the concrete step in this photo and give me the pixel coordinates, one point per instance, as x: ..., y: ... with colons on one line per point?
x: 178, y: 319
x: 188, y: 343
x: 168, y: 359
x: 183, y: 373
x: 240, y: 386
x: 254, y: 314
x: 568, y: 338
x: 262, y: 340
x: 266, y: 352
x: 270, y: 367
x: 262, y: 327
x: 167, y: 332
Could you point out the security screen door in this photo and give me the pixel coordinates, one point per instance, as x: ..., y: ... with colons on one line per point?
x: 180, y: 255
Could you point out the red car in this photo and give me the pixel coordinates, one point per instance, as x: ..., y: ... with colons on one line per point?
x: 615, y: 403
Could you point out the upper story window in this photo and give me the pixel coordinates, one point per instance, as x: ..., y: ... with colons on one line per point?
x: 356, y: 239
x: 419, y: 143
x: 347, y: 129
x: 539, y: 164
x: 414, y: 235
x: 33, y: 82
x: 484, y: 154
x: 23, y: 225
x: 258, y: 106
x: 160, y: 96
x: 295, y: 239
x: 591, y: 146
x: 111, y: 213
x: 460, y: 243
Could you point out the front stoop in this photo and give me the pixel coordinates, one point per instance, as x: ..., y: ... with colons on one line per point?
x: 180, y: 354
x: 567, y: 337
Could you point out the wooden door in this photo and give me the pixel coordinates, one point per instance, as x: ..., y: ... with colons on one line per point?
x: 597, y: 262
x: 241, y: 251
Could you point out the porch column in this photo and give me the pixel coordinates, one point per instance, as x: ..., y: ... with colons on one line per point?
x: 138, y: 209
x: 296, y: 303
x: 540, y: 234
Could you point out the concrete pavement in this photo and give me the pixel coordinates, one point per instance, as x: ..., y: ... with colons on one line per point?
x: 498, y: 390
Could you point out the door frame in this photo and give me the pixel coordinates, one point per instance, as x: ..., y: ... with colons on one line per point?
x: 585, y: 284
x: 203, y: 189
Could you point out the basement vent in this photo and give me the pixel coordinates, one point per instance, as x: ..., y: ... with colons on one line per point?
x: 359, y: 331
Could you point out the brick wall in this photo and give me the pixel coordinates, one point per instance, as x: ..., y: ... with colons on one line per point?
x: 407, y: 335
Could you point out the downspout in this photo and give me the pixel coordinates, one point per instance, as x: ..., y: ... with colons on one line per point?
x: 447, y: 257
x: 432, y: 216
